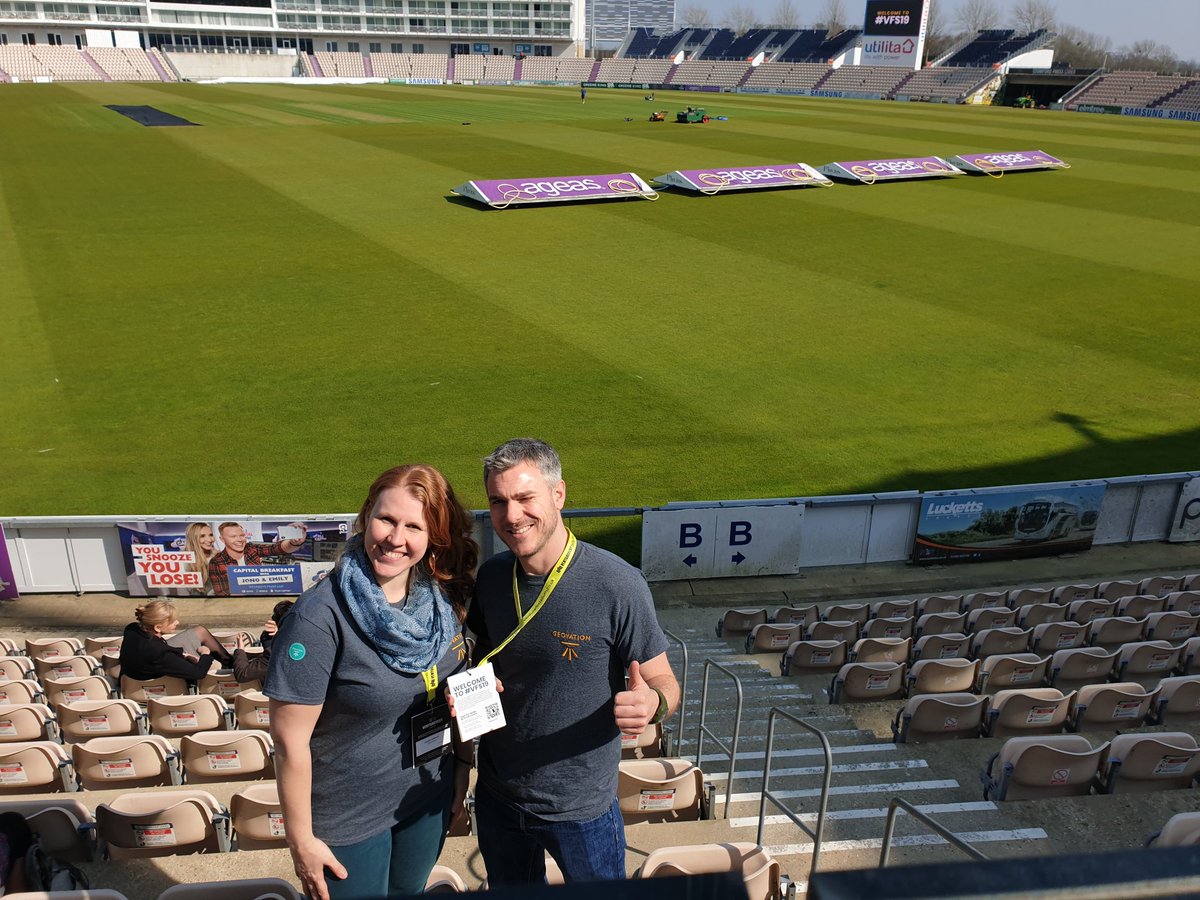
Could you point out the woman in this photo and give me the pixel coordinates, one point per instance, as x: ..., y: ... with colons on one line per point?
x: 357, y: 677
x: 152, y: 647
x: 199, y: 538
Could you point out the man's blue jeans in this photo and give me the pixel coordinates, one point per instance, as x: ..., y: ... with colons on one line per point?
x: 514, y: 843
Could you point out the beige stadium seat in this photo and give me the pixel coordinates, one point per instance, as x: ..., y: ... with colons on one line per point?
x: 1104, y: 706
x: 833, y: 631
x: 942, y: 676
x: 1069, y: 593
x: 1041, y: 613
x: 1171, y: 626
x: 760, y: 873
x: 257, y: 817
x: 984, y: 600
x: 865, y: 682
x: 772, y: 638
x: 1140, y: 605
x: 252, y: 710
x: 942, y: 646
x: 241, y: 889
x: 17, y: 668
x: 27, y: 722
x: 1115, y: 590
x: 23, y: 690
x: 98, y: 646
x: 1019, y: 597
x: 227, y: 756
x: 141, y: 691
x: 660, y: 790
x: 222, y: 683
x: 1147, y: 662
x: 1027, y: 711
x: 940, y: 604
x: 805, y: 657
x: 158, y: 823
x: 893, y: 609
x: 939, y: 717
x: 65, y: 826
x: 1184, y: 601
x: 105, y: 763
x: 796, y: 615
x: 1012, y: 670
x: 991, y: 641
x: 1181, y: 830
x: 858, y: 613
x: 1155, y: 585
x: 647, y: 745
x: 740, y: 621
x: 1150, y: 762
x: 990, y: 617
x: 1191, y: 582
x: 1071, y: 669
x: 895, y: 627
x: 941, y: 623
x: 64, y: 667
x: 1111, y: 632
x: 1051, y: 637
x: 51, y: 647
x: 100, y: 718
x: 1177, y: 701
x: 187, y: 715
x: 35, y: 767
x: 1084, y: 611
x: 444, y: 880
x: 1032, y: 768
x: 9, y: 647
x: 74, y: 690
x: 110, y: 664
x: 881, y: 650
x: 1189, y: 657
x: 228, y: 639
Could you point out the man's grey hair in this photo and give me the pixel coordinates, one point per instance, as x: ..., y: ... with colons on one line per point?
x: 524, y: 450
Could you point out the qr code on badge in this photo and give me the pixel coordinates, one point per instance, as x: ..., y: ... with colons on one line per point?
x: 492, y: 711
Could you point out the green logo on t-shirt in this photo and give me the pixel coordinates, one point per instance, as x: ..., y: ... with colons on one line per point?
x: 297, y: 651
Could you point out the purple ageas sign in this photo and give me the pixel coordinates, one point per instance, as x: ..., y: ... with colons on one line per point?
x: 740, y: 178
x: 502, y: 192
x: 1008, y: 161
x: 869, y: 171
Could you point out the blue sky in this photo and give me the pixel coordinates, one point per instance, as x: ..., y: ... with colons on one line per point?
x: 1175, y: 23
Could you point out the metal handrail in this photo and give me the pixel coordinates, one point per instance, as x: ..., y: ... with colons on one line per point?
x: 673, y: 746
x: 823, y: 804
x: 898, y: 804
x: 703, y: 729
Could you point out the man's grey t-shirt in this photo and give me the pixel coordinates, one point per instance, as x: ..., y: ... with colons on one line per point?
x: 363, y: 779
x: 557, y: 757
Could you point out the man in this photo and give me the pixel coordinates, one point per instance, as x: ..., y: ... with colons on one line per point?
x: 548, y: 779
x: 240, y: 552
x: 247, y: 669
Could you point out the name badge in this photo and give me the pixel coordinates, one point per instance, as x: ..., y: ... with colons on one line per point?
x: 477, y: 706
x: 430, y: 734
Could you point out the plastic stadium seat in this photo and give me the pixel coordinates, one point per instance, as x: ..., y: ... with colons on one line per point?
x: 9, y: 647
x: 24, y: 690
x: 1025, y: 768
x: 760, y: 873
x: 1071, y: 669
x: 145, y: 760
x: 1069, y: 593
x: 1051, y: 637
x: 444, y: 880
x: 257, y: 817
x: 1181, y: 830
x: 984, y: 600
x: 740, y: 621
x: 1084, y: 611
x: 1184, y: 601
x: 1027, y: 711
x: 65, y: 826
x: 64, y: 667
x: 17, y: 668
x: 942, y: 603
x: 1012, y: 670
x: 52, y: 647
x: 1041, y: 613
x: 893, y: 627
x: 110, y: 664
x: 75, y: 690
x: 804, y: 657
x: 865, y: 682
x: 252, y: 710
x: 857, y: 613
x: 1112, y: 632
x: 1189, y: 657
x: 881, y: 650
x: 100, y: 718
x: 97, y: 646
x: 223, y: 684
x: 833, y: 631
x: 938, y: 717
x: 891, y: 609
x: 1140, y: 605
x: 1171, y: 626
x: 1147, y: 662
x: 647, y: 745
x: 1019, y: 597
x: 796, y: 615
x: 228, y: 639
x: 769, y: 638
x: 227, y: 756
x: 1000, y: 640
x: 1150, y: 762
x: 941, y: 623
x: 1120, y: 705
x: 1155, y: 585
x: 660, y: 790
x: 1177, y: 701
x: 187, y: 715
x: 27, y: 722
x: 35, y: 767
x: 990, y: 617
x: 1115, y: 590
x: 942, y: 646
x: 155, y: 823
x: 1191, y: 582
x: 141, y: 691
x: 942, y: 676
x: 242, y: 889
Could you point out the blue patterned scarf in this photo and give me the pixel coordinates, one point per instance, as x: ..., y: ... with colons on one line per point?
x: 408, y: 640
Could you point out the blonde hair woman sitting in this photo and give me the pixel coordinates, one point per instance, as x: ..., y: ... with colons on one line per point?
x: 153, y: 646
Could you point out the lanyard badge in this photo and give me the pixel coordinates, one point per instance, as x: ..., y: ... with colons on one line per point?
x: 430, y: 729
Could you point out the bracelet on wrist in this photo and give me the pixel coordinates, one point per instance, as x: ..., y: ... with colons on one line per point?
x: 661, y: 712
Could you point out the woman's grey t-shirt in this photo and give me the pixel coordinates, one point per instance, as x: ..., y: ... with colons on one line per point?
x: 363, y: 779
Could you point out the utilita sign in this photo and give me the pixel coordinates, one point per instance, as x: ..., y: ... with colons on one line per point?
x: 869, y: 171
x: 894, y: 33
x: 501, y: 193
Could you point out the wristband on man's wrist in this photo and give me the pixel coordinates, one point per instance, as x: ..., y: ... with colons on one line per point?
x: 661, y: 712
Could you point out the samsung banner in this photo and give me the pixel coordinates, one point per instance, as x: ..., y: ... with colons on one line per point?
x: 222, y: 559
x: 983, y: 525
x: 894, y: 33
x: 8, y: 581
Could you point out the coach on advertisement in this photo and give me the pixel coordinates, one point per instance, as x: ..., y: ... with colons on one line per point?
x: 569, y: 618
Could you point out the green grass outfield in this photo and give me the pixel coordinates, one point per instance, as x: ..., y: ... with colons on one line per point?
x: 260, y: 314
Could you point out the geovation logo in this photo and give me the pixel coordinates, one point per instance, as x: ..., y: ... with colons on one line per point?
x: 951, y: 508
x: 882, y: 45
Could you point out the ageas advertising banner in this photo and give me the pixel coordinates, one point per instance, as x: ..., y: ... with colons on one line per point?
x: 228, y: 557
x: 985, y: 525
x: 1185, y: 526
x: 8, y: 580
x: 894, y: 33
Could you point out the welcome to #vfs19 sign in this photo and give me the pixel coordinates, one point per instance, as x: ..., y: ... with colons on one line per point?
x: 894, y: 33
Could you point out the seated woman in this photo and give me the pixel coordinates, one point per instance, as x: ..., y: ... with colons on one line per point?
x: 152, y: 648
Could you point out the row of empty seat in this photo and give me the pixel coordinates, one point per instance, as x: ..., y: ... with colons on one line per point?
x: 1135, y: 89
x: 89, y: 64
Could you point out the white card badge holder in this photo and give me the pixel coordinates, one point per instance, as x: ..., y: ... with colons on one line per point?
x: 477, y: 708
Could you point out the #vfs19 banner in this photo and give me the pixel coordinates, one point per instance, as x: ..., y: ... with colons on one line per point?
x: 894, y: 33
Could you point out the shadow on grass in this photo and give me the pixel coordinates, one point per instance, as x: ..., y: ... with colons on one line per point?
x: 619, y: 535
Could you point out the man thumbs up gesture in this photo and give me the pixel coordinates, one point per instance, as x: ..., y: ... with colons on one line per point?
x: 640, y: 703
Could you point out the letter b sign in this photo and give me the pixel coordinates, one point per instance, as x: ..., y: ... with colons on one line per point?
x: 689, y: 535
x: 739, y: 534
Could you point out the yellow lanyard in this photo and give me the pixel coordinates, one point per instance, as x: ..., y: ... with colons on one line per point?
x: 430, y: 676
x: 552, y: 581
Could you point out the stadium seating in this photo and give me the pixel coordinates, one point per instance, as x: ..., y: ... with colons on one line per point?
x: 740, y: 621
x: 227, y: 756
x: 881, y: 650
x: 1030, y: 768
x: 252, y: 710
x: 1087, y: 611
x: 222, y: 683
x: 1171, y: 626
x: 939, y: 717
x: 941, y: 603
x: 805, y: 657
x: 1051, y: 637
x: 1139, y: 606
x: 188, y: 714
x: 867, y: 682
x: 96, y: 646
x: 155, y: 823
x: 942, y: 646
x: 1104, y: 706
x: 647, y: 745
x: 990, y: 617
x: 27, y: 722
x: 941, y: 623
x: 142, y: 691
x: 660, y: 790
x: 35, y: 767
x: 768, y: 638
x: 833, y: 631
x: 74, y: 690
x: 135, y: 761
x: 1011, y: 670
x: 1181, y: 830
x: 940, y: 83
x: 48, y: 648
x: 1177, y: 701
x: 1184, y: 601
x: 1069, y: 593
x: 24, y: 691
x: 1028, y: 596
x: 795, y: 76
x: 17, y: 668
x: 892, y: 609
x: 881, y: 80
x: 1115, y: 590
x: 1041, y: 614
x: 942, y: 676
x: 65, y: 666
x: 1145, y: 662
x: 444, y: 880
x: 1150, y: 762
x: 894, y: 628
x: 1027, y: 711
x: 242, y: 889
x: 65, y: 826
x: 760, y: 872
x: 1070, y: 669
x: 991, y: 641
x: 858, y: 613
x: 257, y: 817
x: 796, y: 615
x: 94, y: 718
x: 1160, y: 585
x: 1111, y: 632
